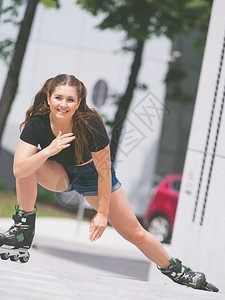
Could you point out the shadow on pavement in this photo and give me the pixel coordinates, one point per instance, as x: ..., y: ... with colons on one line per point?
x: 134, y: 269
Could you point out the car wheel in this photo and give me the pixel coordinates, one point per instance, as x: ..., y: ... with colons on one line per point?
x: 160, y: 227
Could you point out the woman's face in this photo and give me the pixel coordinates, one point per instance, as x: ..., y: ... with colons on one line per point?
x: 64, y: 102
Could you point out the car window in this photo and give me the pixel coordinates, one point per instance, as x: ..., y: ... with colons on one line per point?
x: 176, y: 185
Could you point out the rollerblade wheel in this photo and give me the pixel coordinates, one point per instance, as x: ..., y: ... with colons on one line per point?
x: 25, y: 258
x: 4, y: 256
x: 14, y: 257
x: 210, y: 287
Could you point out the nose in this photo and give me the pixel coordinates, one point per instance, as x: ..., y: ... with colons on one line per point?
x: 63, y: 103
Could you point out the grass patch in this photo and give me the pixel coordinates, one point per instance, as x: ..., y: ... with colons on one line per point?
x: 7, y: 203
x: 49, y: 209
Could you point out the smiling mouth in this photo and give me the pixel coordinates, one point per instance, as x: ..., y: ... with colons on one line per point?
x: 62, y: 111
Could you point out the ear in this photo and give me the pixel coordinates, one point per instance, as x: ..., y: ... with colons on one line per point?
x: 48, y: 99
x: 79, y: 101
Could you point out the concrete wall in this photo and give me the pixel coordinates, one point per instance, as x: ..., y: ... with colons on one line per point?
x: 198, y: 238
x: 7, y: 179
x: 176, y: 126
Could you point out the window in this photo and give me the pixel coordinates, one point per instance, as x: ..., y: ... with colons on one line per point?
x: 176, y: 185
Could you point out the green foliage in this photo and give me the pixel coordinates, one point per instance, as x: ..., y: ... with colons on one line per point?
x: 51, y: 3
x: 11, y: 14
x: 129, y: 46
x: 174, y: 80
x: 6, y: 50
x: 141, y: 86
x: 175, y: 74
x: 143, y: 19
x: 46, y: 196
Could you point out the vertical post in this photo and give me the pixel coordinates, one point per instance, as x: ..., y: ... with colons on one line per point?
x: 80, y: 216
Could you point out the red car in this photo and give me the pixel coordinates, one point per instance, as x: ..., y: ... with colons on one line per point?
x: 160, y: 214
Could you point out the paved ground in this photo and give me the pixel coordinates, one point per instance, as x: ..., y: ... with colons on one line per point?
x: 65, y: 265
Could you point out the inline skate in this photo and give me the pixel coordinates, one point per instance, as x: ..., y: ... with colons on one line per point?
x: 14, y: 243
x: 185, y: 276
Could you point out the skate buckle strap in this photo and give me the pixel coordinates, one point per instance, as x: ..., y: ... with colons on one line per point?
x: 171, y: 262
x: 18, y: 218
x: 22, y: 225
x: 15, y: 226
x: 17, y: 208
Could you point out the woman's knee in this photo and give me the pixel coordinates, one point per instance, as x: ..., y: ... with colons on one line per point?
x: 136, y: 236
x: 52, y: 176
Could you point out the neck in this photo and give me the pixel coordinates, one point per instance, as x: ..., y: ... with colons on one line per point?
x: 61, y: 124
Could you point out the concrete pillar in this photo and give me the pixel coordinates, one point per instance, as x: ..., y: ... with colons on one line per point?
x: 198, y: 237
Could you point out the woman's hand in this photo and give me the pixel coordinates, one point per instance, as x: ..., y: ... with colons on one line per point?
x: 59, y: 143
x: 97, y: 227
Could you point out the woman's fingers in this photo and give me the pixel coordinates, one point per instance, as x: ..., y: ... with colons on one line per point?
x: 95, y: 235
x: 97, y: 227
x: 60, y: 142
x: 65, y: 139
x: 65, y: 135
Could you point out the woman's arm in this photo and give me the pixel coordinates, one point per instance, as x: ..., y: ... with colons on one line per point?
x: 102, y: 163
x: 27, y: 160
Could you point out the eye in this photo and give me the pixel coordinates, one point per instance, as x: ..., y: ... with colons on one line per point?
x: 70, y: 100
x: 57, y: 97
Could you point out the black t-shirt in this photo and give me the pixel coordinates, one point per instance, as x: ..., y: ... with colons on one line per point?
x: 38, y: 132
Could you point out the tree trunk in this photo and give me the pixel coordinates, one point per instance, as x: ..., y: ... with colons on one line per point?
x: 126, y: 100
x: 11, y: 83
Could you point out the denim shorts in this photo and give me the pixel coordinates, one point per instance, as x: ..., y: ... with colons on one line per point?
x: 84, y: 179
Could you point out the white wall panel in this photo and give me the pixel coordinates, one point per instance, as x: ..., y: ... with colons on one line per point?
x: 212, y: 77
x: 200, y: 241
x: 202, y: 246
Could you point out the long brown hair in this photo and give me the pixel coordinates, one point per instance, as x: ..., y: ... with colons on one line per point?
x: 40, y: 107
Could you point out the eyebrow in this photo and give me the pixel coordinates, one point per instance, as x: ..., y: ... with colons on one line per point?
x: 67, y: 97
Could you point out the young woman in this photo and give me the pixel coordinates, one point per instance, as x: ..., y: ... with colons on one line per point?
x: 75, y: 155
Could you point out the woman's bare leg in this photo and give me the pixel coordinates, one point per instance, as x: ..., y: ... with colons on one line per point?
x: 122, y: 218
x: 51, y: 175
x: 26, y: 191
